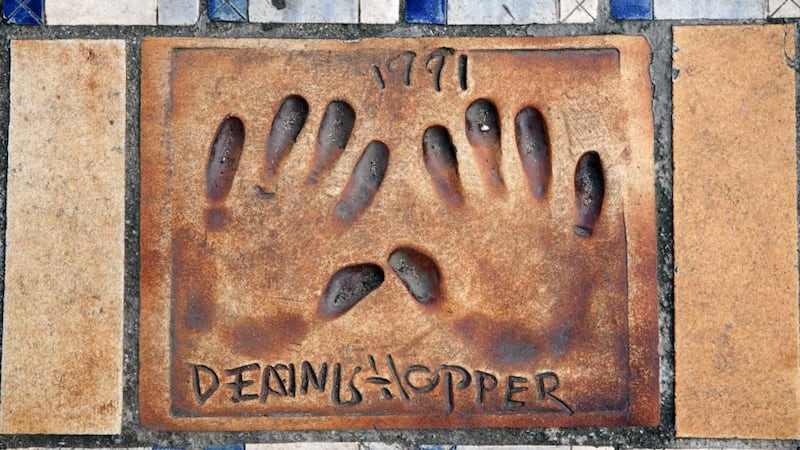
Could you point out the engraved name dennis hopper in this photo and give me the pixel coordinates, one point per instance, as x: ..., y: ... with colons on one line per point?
x: 386, y: 380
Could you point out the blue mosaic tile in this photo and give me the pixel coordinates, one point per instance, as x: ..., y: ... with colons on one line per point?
x: 632, y: 9
x: 426, y: 11
x: 227, y: 10
x: 24, y: 12
x: 224, y: 447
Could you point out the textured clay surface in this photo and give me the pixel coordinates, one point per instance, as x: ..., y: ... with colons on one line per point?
x: 397, y: 233
x: 736, y: 287
x: 63, y: 307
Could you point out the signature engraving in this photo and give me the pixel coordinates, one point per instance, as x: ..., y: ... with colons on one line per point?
x: 348, y: 386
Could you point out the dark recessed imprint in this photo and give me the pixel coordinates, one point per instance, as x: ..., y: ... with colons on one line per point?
x: 462, y: 71
x: 264, y: 194
x: 348, y: 286
x: 418, y: 272
x: 378, y: 76
x: 533, y: 143
x: 223, y: 158
x: 334, y: 132
x: 483, y: 133
x: 589, y: 192
x: 409, y: 58
x: 286, y: 126
x: 439, y: 55
x: 439, y: 155
x: 363, y: 184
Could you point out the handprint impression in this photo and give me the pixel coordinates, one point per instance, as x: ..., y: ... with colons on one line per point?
x: 504, y: 340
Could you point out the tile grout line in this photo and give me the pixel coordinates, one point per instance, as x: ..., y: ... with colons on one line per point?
x: 5, y: 115
x: 132, y: 197
x: 665, y: 224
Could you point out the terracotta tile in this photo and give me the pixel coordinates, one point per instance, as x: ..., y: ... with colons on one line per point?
x: 736, y: 288
x: 101, y: 12
x: 256, y: 259
x: 62, y: 317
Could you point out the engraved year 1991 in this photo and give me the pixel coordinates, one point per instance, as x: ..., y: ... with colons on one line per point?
x: 434, y: 62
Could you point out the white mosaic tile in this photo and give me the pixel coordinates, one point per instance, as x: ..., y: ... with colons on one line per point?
x: 380, y: 446
x: 513, y: 447
x: 783, y: 8
x: 304, y: 11
x: 577, y: 11
x: 501, y: 12
x: 380, y: 11
x: 306, y: 446
x: 100, y: 12
x: 178, y: 12
x: 709, y: 9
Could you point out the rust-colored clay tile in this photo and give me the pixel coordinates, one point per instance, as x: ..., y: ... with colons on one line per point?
x: 62, y: 316
x: 398, y: 233
x: 736, y: 288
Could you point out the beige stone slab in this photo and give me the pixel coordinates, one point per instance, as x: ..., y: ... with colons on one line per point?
x: 63, y: 321
x: 101, y: 12
x: 736, y: 288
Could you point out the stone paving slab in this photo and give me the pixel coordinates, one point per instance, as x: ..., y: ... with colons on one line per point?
x: 275, y: 303
x: 62, y: 313
x: 735, y: 194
